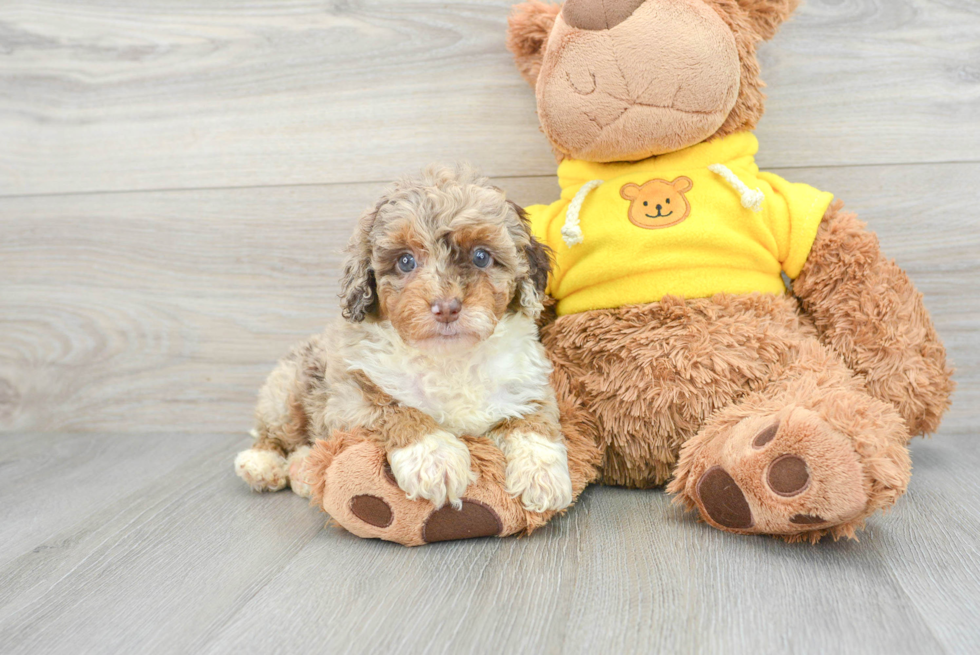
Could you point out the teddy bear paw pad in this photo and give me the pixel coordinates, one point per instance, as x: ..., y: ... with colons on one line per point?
x: 372, y: 510
x: 765, y: 436
x: 723, y: 501
x: 790, y: 475
x: 473, y: 519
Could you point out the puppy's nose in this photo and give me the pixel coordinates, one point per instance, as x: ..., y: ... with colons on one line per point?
x: 598, y: 14
x: 446, y: 310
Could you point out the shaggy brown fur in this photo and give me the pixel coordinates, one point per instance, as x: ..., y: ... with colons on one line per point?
x: 529, y: 25
x: 853, y: 447
x: 669, y: 387
x: 778, y: 415
x: 651, y: 375
x: 866, y: 309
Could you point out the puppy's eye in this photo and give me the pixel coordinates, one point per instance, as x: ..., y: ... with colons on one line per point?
x: 645, y: 203
x: 406, y: 263
x: 481, y: 258
x: 668, y: 201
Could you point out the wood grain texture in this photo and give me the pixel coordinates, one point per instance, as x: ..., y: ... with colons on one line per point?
x: 194, y: 562
x: 164, y: 311
x: 50, y: 481
x: 135, y: 94
x: 159, y: 568
x: 177, y: 181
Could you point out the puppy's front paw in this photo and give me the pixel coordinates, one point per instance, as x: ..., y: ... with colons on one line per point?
x: 263, y: 470
x: 537, y: 472
x: 436, y: 468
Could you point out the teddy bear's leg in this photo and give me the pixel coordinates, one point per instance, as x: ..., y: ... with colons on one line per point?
x: 812, y: 454
x: 349, y: 478
x: 866, y: 309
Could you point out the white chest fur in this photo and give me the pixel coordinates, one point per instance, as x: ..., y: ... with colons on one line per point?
x: 467, y: 393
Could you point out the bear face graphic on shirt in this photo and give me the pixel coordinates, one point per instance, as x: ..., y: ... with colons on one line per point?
x: 658, y: 203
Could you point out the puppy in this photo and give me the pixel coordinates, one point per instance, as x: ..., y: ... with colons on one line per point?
x: 440, y: 293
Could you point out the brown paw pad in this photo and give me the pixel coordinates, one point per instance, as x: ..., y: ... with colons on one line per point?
x: 806, y: 519
x: 372, y: 510
x: 389, y: 474
x: 474, y: 519
x: 723, y: 501
x: 788, y: 476
x: 765, y: 436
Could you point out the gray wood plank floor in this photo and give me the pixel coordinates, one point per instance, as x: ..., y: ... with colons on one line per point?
x: 176, y: 182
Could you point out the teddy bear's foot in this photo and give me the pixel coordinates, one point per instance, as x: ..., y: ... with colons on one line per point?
x: 790, y: 474
x: 352, y: 482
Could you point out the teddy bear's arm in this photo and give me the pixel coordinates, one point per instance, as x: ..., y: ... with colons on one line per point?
x: 866, y: 308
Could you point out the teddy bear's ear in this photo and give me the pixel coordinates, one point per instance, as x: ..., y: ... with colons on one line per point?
x: 682, y: 184
x: 630, y: 191
x: 528, y: 28
x: 768, y: 15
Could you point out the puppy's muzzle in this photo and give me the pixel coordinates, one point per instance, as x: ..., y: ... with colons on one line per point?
x: 446, y: 310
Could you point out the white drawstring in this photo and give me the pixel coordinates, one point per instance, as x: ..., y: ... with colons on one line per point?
x: 571, y: 232
x: 750, y: 199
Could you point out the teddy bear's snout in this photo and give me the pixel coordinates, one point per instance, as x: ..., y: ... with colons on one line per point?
x: 598, y: 14
x: 596, y: 85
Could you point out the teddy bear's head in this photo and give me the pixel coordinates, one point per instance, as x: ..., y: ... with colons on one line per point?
x: 623, y: 80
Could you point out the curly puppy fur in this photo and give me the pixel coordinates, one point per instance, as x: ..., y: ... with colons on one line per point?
x: 349, y: 464
x: 440, y: 294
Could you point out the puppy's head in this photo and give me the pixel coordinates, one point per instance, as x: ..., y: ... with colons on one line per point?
x: 443, y: 256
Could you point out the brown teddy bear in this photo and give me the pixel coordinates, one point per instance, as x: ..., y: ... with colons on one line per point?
x: 772, y: 412
x: 679, y: 355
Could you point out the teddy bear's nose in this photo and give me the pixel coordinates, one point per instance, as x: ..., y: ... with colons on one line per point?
x: 598, y: 14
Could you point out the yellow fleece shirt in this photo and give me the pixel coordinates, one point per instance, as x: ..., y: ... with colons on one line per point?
x: 670, y: 225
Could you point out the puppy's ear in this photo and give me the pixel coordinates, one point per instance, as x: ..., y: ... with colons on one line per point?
x: 768, y: 15
x: 528, y: 27
x: 358, y: 286
x: 531, y: 286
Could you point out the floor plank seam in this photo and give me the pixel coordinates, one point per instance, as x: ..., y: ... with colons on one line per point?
x: 343, y: 183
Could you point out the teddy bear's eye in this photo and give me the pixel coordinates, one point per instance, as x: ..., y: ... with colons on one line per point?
x: 668, y: 201
x: 645, y: 203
